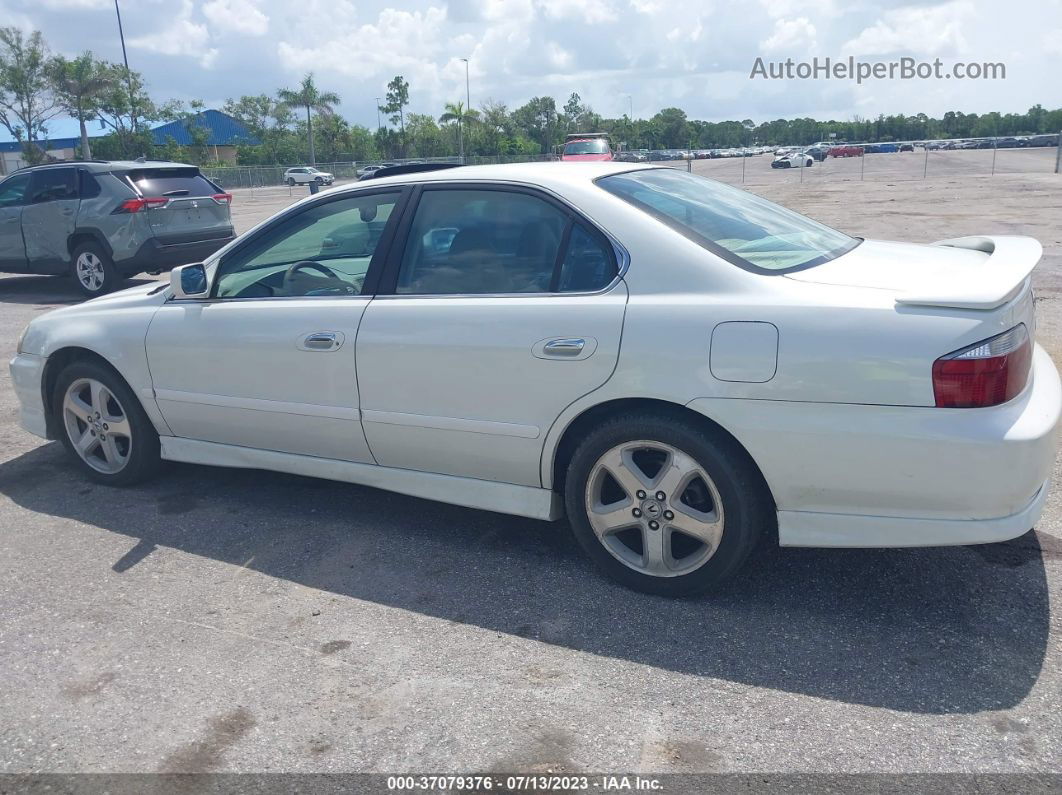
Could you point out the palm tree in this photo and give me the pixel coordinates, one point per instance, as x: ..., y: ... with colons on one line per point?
x: 307, y: 96
x: 79, y: 86
x: 457, y: 112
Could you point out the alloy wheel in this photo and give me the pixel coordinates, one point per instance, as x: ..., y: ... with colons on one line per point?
x: 97, y: 425
x: 90, y: 271
x: 654, y: 508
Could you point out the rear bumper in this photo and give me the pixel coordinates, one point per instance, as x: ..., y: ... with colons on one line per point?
x: 156, y: 256
x: 883, y: 476
x: 27, y: 372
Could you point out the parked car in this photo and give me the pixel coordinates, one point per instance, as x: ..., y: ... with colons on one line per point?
x: 793, y: 160
x: 1043, y: 140
x: 368, y: 170
x: 818, y: 152
x: 588, y: 146
x: 906, y: 147
x: 101, y: 222
x: 776, y: 378
x: 847, y: 150
x: 304, y: 175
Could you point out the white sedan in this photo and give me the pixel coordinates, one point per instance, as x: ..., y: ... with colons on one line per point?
x: 681, y: 367
x: 793, y: 160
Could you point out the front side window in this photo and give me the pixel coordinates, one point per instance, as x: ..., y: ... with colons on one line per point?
x: 53, y: 184
x: 324, y: 250
x: 739, y: 226
x: 13, y: 190
x: 479, y: 242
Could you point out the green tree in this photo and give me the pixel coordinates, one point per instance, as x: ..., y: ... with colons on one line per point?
x: 457, y: 113
x: 26, y: 99
x: 120, y: 105
x: 79, y: 86
x: 313, y: 100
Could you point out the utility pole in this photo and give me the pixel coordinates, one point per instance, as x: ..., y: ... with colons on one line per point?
x: 378, y: 124
x: 128, y: 74
x: 461, y: 121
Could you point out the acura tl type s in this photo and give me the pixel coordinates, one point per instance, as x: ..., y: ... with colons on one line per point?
x: 681, y: 367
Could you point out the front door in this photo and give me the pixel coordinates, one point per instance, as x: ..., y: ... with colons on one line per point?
x: 49, y: 218
x: 503, y: 309
x: 269, y: 360
x: 12, y: 248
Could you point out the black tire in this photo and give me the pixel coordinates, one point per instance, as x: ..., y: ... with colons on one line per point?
x: 93, y: 270
x: 144, y: 460
x: 319, y: 181
x: 748, y: 507
x: 291, y: 182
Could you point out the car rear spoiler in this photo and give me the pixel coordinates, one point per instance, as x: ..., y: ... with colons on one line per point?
x: 989, y: 284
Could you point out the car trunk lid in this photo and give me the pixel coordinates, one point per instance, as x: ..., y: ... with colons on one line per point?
x: 963, y: 273
x: 195, y: 209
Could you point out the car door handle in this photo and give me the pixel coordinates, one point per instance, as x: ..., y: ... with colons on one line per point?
x: 321, y: 341
x: 567, y: 347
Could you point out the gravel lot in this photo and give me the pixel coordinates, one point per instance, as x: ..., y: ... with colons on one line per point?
x: 222, y: 620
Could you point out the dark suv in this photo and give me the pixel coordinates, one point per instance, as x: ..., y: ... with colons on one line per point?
x: 102, y: 222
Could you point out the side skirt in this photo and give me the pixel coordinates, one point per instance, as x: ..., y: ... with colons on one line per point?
x: 470, y: 492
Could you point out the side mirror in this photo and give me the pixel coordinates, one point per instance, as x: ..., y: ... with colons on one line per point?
x: 190, y: 281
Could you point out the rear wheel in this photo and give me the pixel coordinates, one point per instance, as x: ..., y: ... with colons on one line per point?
x: 291, y: 182
x: 93, y: 270
x: 662, y: 506
x: 103, y: 425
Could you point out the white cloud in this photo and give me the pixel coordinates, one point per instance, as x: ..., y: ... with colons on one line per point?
x: 181, y: 37
x: 924, y: 31
x: 238, y: 16
x: 589, y: 11
x: 76, y: 4
x: 1053, y: 41
x: 790, y: 35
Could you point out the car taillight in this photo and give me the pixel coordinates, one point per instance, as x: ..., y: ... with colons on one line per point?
x: 987, y: 373
x: 136, y: 205
x: 222, y: 198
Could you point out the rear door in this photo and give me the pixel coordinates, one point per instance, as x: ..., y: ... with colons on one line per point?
x: 49, y: 217
x: 194, y: 208
x: 12, y: 248
x: 503, y: 309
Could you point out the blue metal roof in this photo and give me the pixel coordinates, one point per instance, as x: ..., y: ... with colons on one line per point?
x: 224, y: 130
x: 51, y: 143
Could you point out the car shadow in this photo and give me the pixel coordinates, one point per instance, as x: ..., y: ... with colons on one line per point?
x: 953, y: 630
x: 48, y: 291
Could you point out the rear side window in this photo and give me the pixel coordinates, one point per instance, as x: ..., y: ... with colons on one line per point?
x: 482, y: 242
x: 90, y: 188
x: 171, y: 182
x: 13, y: 190
x: 53, y: 184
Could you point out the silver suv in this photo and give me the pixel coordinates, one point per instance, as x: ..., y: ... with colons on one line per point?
x: 304, y: 175
x: 102, y: 222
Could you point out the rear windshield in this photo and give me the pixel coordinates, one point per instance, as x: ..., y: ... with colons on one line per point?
x: 596, y: 147
x: 739, y: 226
x: 171, y: 182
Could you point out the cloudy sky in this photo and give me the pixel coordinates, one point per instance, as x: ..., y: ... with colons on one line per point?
x: 696, y: 54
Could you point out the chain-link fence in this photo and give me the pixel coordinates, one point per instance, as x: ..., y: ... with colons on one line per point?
x: 271, y: 176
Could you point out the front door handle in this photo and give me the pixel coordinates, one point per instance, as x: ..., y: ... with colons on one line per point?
x: 564, y: 347
x: 321, y: 341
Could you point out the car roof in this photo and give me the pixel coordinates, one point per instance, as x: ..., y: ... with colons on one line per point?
x: 104, y: 166
x: 554, y: 174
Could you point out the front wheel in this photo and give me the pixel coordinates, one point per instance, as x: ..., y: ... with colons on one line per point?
x: 664, y: 506
x: 103, y: 426
x: 319, y: 181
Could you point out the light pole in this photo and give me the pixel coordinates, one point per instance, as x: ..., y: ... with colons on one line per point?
x: 128, y: 75
x: 461, y: 121
x: 378, y: 124
x: 631, y: 100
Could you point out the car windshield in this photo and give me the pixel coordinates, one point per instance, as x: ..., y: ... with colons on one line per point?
x: 595, y: 147
x: 739, y: 226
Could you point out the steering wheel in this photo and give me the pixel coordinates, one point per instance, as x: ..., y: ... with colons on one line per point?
x: 306, y: 264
